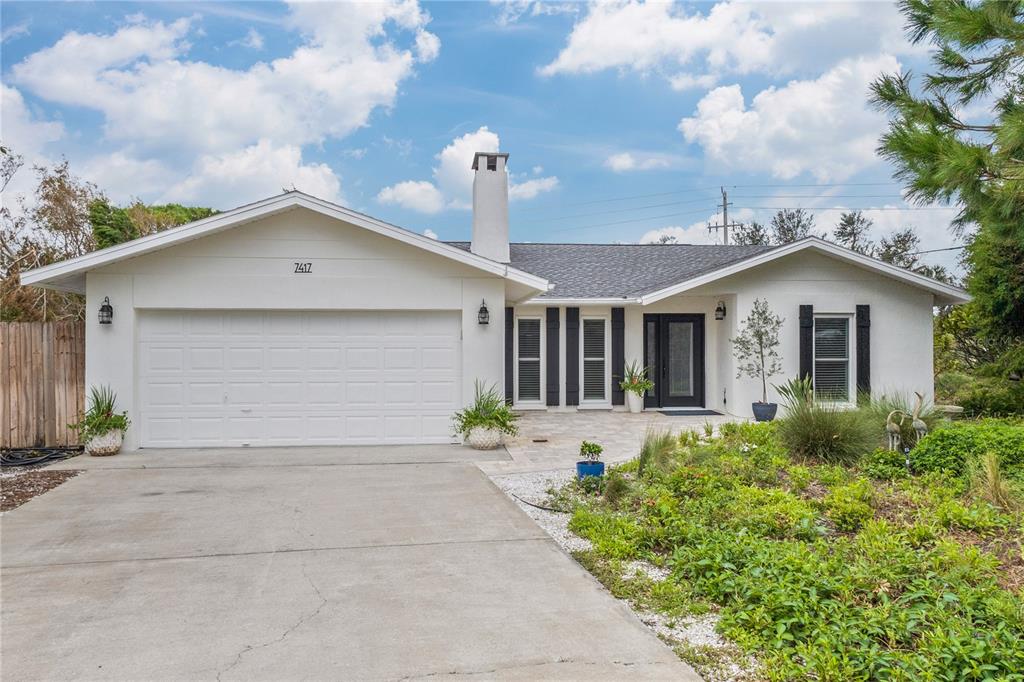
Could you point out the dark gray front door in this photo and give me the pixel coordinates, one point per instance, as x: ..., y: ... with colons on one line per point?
x: 674, y: 346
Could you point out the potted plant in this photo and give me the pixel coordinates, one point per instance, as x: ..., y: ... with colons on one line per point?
x: 635, y: 383
x: 483, y: 423
x: 756, y: 349
x: 590, y: 463
x: 101, y: 428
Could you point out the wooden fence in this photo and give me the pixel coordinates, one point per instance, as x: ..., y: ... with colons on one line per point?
x: 43, y: 367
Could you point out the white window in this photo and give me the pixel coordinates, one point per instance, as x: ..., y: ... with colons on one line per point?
x: 528, y: 343
x: 832, y: 373
x: 594, y: 365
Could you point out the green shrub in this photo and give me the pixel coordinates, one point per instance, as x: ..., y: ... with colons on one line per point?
x: 770, y: 513
x: 799, y: 477
x: 656, y: 451
x: 488, y: 411
x: 827, y: 433
x: 849, y: 506
x: 616, y: 536
x: 885, y: 465
x: 955, y: 447
x: 616, y: 487
x: 101, y: 417
x: 988, y: 393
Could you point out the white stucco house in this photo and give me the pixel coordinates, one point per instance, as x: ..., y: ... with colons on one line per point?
x: 294, y: 321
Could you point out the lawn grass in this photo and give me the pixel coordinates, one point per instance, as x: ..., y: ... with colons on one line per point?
x: 822, y: 572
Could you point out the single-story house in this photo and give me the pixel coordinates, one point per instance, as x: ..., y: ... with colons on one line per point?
x: 295, y: 321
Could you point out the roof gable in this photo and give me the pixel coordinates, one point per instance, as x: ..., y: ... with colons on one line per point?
x: 69, y: 275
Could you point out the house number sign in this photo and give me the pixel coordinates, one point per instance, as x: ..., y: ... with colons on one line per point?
x: 304, y: 268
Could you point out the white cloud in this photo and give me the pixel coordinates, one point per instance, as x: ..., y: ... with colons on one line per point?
x: 693, y: 49
x: 822, y: 127
x: 512, y: 11
x: 253, y: 40
x: 157, y: 102
x: 20, y: 129
x: 693, y: 234
x: 430, y: 233
x: 418, y: 195
x: 453, y: 178
x: 627, y: 161
x: 529, y: 189
x: 256, y: 172
x: 14, y: 31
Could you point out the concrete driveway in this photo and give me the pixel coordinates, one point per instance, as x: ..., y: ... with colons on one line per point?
x: 301, y: 563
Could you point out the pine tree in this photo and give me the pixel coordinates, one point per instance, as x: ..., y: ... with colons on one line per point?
x: 791, y: 225
x: 751, y: 234
x: 852, y: 232
x: 945, y: 151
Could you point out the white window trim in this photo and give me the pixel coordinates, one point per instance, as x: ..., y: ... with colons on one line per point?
x: 607, y: 400
x: 531, y: 404
x: 851, y: 359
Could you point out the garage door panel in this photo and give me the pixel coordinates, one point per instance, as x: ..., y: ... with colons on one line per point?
x: 226, y: 378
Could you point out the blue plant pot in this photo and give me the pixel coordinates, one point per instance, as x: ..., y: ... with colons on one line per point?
x: 585, y: 468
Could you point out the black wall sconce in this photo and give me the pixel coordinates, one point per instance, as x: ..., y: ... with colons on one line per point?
x: 483, y: 316
x: 720, y: 311
x: 106, y: 311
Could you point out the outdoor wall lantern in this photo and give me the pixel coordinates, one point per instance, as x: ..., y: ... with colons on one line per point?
x: 106, y: 311
x: 483, y: 316
x: 720, y: 311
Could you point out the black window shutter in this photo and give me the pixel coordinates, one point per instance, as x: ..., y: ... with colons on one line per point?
x: 806, y: 341
x: 552, y: 356
x: 572, y: 356
x: 863, y: 350
x: 510, y: 330
x: 618, y: 354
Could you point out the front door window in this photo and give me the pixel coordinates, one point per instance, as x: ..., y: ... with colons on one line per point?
x: 680, y: 359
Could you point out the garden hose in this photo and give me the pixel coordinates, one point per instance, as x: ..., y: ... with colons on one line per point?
x: 538, y: 506
x: 13, y: 457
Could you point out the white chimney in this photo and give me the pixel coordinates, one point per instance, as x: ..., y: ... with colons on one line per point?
x: 490, y: 206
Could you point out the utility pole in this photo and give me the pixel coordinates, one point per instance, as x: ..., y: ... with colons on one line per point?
x: 725, y: 219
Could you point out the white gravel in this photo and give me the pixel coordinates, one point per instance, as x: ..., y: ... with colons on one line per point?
x: 696, y: 631
x: 533, y: 487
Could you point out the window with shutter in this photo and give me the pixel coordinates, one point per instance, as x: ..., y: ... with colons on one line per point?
x: 832, y: 358
x: 528, y: 343
x: 593, y: 359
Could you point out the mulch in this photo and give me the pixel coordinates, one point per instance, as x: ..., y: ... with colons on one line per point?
x: 17, y: 489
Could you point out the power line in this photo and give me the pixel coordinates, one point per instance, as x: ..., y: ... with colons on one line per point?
x: 820, y: 196
x: 624, y: 222
x: 620, y: 210
x: 826, y: 184
x: 857, y: 208
x: 951, y: 248
x: 605, y: 201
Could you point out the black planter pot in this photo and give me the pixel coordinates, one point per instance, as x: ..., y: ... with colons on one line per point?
x: 764, y: 412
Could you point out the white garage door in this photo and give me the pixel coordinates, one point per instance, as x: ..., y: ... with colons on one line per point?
x: 234, y: 378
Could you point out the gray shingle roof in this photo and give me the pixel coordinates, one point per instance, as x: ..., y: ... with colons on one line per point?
x: 620, y: 270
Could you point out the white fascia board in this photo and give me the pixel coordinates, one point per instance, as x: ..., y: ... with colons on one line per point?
x: 262, y: 209
x: 946, y: 292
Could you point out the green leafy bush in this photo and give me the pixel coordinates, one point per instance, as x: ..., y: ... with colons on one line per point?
x: 488, y: 411
x: 849, y: 506
x: 953, y: 448
x: 101, y: 417
x: 590, y: 451
x: 885, y: 465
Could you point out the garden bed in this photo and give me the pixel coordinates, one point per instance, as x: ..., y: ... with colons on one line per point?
x: 843, y: 571
x: 18, y: 487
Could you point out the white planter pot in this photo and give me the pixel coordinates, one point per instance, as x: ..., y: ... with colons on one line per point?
x: 107, y: 444
x: 634, y: 401
x: 484, y: 439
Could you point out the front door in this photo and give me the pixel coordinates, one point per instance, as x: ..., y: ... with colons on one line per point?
x: 674, y: 346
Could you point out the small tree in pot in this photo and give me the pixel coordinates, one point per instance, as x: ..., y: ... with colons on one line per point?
x: 590, y: 463
x: 635, y: 383
x: 101, y: 428
x: 756, y: 349
x: 483, y: 423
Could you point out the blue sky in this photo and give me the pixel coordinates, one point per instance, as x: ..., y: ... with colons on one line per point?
x: 622, y: 120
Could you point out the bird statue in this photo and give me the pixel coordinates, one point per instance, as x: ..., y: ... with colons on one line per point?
x: 920, y: 428
x: 894, y: 429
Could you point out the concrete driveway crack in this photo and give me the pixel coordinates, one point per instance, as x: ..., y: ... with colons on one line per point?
x: 284, y: 635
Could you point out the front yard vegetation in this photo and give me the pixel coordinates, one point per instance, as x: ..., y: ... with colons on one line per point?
x: 836, y: 568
